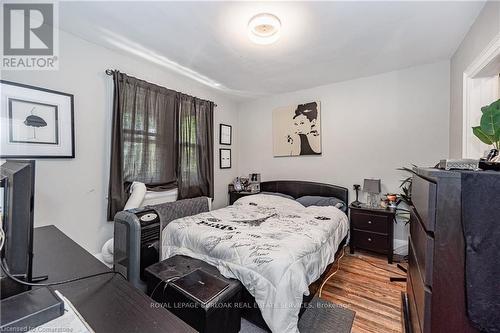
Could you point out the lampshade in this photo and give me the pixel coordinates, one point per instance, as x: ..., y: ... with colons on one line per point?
x: 372, y: 186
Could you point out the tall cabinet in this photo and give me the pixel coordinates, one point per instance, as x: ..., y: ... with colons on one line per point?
x: 436, y: 299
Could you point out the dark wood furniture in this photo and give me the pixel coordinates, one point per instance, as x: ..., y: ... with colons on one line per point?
x: 233, y: 195
x: 436, y: 260
x: 108, y: 302
x: 372, y: 229
x: 222, y: 314
x: 297, y: 189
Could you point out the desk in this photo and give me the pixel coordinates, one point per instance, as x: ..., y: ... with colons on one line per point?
x: 108, y: 303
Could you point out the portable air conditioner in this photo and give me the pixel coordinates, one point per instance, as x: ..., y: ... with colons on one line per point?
x: 136, y: 244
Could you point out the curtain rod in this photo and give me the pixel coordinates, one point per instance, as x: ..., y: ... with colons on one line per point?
x: 111, y: 71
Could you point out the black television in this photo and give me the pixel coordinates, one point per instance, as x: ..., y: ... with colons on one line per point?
x: 17, y: 193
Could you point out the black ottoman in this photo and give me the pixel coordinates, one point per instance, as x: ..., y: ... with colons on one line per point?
x: 222, y: 314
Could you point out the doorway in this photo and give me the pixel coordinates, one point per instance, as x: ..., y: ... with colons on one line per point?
x: 481, y: 87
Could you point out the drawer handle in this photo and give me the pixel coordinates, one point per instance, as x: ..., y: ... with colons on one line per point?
x: 369, y: 239
x: 369, y: 222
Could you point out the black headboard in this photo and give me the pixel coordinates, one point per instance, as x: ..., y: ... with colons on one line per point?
x: 297, y: 188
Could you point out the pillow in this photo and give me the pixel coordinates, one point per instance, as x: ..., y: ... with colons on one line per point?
x: 266, y: 200
x: 311, y: 200
x: 137, y: 193
x: 159, y: 197
x: 279, y: 195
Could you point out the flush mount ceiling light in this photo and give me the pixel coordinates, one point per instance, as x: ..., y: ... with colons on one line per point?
x: 264, y: 29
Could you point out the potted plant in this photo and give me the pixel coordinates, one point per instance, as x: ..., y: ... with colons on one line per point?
x: 489, y: 132
x: 404, y: 198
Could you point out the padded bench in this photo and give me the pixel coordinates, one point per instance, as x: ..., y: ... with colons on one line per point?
x: 222, y: 314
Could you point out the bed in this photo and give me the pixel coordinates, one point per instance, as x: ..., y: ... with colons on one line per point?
x: 275, y: 246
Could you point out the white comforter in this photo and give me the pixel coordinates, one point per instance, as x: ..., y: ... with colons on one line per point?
x: 275, y: 246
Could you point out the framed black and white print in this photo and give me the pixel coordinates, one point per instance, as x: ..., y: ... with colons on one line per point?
x: 39, y: 120
x: 225, y: 134
x: 35, y: 122
x: 297, y: 130
x: 225, y: 158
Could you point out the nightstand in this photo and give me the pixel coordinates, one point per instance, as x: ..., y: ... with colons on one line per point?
x: 372, y: 229
x: 233, y: 195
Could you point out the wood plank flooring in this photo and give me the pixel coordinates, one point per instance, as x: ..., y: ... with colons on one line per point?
x: 366, y: 289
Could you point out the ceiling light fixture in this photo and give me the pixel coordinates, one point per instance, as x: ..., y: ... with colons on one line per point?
x: 264, y: 29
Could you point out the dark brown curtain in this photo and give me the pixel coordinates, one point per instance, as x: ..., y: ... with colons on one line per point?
x: 196, y: 161
x: 144, y: 138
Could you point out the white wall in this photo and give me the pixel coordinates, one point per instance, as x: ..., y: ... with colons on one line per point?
x: 370, y: 127
x: 71, y: 194
x: 484, y: 29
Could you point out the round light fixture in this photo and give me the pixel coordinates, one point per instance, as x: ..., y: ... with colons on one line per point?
x: 264, y: 29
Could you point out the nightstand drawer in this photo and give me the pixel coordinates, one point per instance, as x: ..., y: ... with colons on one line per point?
x: 370, y: 241
x: 370, y: 222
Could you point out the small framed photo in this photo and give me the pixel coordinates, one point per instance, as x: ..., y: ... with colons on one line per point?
x: 36, y: 122
x: 225, y: 134
x: 225, y: 158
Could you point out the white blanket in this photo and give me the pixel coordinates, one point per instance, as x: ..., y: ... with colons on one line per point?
x: 275, y: 246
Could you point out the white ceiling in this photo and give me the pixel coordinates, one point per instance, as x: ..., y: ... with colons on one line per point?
x: 321, y: 42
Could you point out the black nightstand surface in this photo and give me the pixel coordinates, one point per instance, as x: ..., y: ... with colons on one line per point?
x: 233, y: 195
x: 372, y: 229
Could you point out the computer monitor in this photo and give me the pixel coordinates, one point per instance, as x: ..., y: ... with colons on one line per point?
x: 17, y: 193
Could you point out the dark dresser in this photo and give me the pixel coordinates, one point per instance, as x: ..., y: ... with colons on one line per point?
x: 436, y: 285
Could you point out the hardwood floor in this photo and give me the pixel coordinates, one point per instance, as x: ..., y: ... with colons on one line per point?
x: 367, y: 290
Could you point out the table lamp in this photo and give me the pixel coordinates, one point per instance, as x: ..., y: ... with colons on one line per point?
x: 372, y: 187
x: 356, y: 188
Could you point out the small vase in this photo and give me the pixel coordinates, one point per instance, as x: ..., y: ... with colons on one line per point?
x: 492, y: 155
x: 373, y: 200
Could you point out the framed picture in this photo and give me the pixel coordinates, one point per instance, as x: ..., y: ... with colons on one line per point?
x: 36, y: 122
x: 225, y: 158
x: 297, y: 130
x: 225, y: 134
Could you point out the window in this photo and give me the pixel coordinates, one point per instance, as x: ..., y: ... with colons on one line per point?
x: 160, y: 137
x: 149, y: 138
x: 188, y: 142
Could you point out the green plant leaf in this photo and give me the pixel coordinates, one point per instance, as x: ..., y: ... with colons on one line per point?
x: 406, y: 185
x: 481, y: 135
x: 408, y: 169
x: 495, y: 105
x: 490, y: 123
x: 405, y: 181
